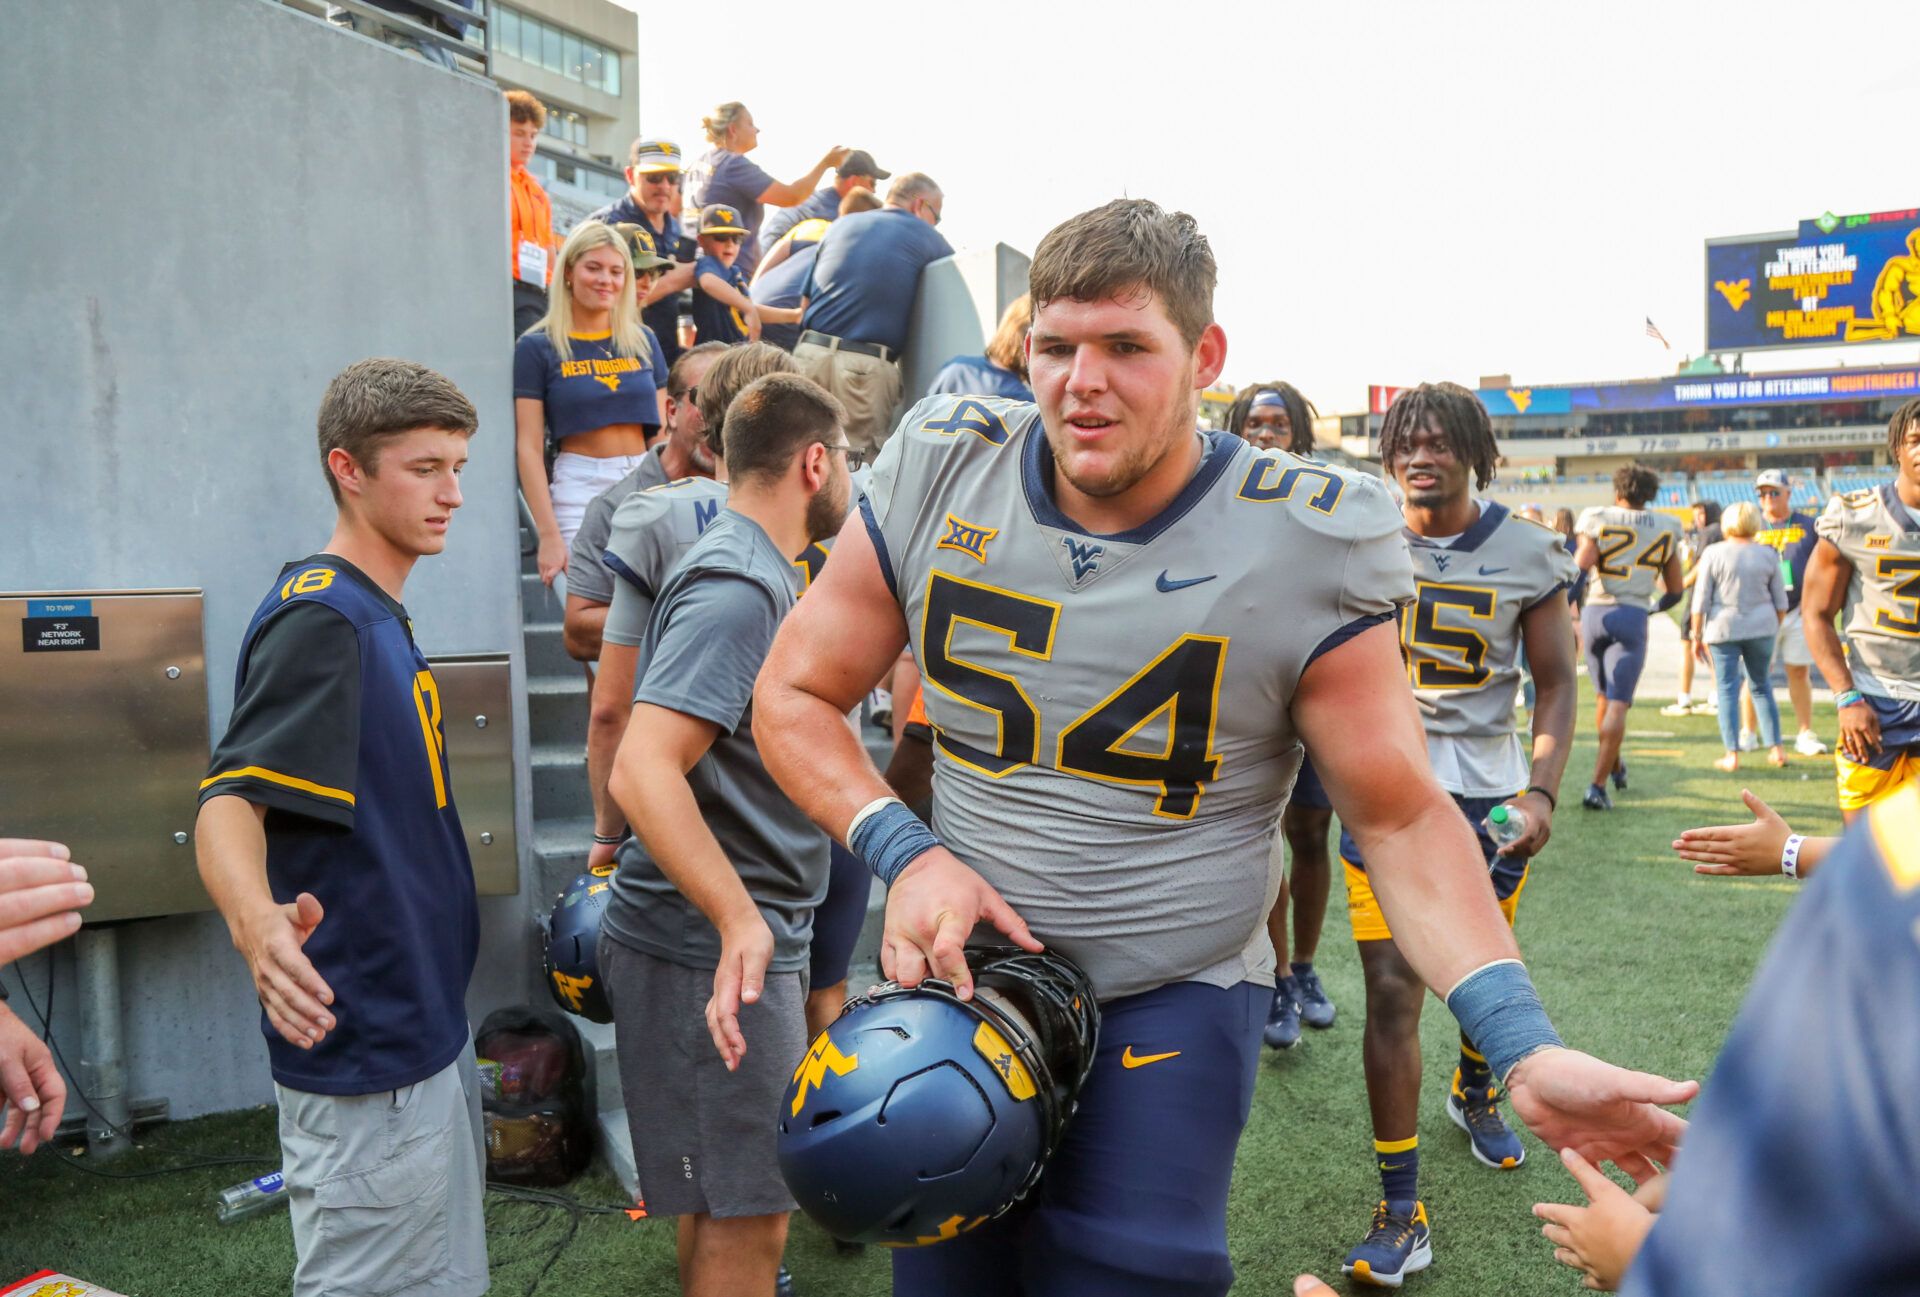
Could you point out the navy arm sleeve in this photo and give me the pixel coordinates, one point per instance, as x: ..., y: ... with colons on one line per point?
x: 293, y: 742
x: 716, y: 629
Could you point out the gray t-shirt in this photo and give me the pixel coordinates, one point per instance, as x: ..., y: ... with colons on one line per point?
x: 1738, y: 592
x: 711, y: 630
x: 587, y: 574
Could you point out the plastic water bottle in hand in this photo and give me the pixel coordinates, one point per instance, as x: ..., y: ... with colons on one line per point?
x: 250, y: 1197
x: 1506, y: 824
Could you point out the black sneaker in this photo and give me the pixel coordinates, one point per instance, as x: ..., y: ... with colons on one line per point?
x: 783, y: 1284
x: 1283, y: 1019
x: 1597, y: 799
x: 1620, y: 775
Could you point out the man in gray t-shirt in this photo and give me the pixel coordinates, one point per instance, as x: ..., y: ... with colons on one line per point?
x: 704, y: 939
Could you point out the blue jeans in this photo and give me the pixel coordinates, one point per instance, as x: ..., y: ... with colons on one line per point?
x: 1757, y: 655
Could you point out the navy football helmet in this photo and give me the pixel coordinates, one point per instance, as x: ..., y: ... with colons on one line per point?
x: 572, y: 932
x: 917, y: 1115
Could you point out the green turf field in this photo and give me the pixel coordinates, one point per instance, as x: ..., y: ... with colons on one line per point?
x: 1639, y: 961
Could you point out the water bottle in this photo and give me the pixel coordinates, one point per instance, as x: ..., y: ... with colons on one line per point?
x: 251, y: 1197
x: 1506, y: 824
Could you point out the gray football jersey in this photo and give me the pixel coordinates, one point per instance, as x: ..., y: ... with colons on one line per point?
x: 1634, y: 547
x: 652, y: 531
x: 1111, y: 713
x: 1874, y: 531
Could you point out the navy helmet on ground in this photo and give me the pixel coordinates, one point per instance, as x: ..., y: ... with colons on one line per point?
x: 572, y: 932
x: 917, y: 1115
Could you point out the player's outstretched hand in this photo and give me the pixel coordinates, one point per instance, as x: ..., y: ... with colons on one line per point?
x: 291, y: 989
x: 30, y: 1086
x: 1601, y: 1239
x: 1605, y: 1113
x: 41, y: 892
x: 746, y: 948
x: 1737, y: 848
x: 1539, y: 813
x: 931, y: 908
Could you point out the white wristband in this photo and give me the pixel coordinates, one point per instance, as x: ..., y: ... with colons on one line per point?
x: 867, y: 810
x: 1790, y: 855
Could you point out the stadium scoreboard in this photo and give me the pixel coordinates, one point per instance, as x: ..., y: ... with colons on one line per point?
x: 1835, y: 281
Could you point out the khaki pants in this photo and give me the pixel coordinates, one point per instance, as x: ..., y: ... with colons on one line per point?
x: 868, y: 386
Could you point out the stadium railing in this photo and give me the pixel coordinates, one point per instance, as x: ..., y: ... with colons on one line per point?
x: 470, y: 51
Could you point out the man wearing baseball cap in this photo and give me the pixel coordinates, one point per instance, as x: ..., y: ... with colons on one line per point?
x: 1791, y: 533
x: 653, y: 192
x: 858, y: 171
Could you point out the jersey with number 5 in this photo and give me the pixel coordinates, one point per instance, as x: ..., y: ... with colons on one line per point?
x: 1879, y: 536
x: 1634, y: 546
x: 1111, y: 713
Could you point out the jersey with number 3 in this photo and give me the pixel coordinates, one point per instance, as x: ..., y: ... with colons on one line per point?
x: 1879, y: 536
x: 1634, y: 546
x: 1111, y: 714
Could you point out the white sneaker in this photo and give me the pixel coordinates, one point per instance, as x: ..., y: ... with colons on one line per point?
x: 1809, y: 744
x: 1748, y: 740
x: 1682, y: 706
x: 1708, y: 706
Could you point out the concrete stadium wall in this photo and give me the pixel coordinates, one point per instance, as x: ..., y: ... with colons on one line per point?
x: 957, y: 309
x: 217, y: 205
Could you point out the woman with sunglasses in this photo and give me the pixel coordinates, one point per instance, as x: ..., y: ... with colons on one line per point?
x: 724, y: 174
x: 585, y: 379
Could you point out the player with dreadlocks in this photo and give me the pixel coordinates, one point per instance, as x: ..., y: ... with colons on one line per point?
x: 1273, y: 415
x: 1488, y: 586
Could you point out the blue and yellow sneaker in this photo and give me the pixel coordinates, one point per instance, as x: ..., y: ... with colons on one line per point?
x: 1477, y: 1112
x: 1395, y: 1247
x: 1316, y: 1010
x: 1283, y: 1019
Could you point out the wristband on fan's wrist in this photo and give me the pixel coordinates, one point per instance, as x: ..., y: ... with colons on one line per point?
x: 1553, y: 803
x: 1849, y: 698
x: 1790, y: 855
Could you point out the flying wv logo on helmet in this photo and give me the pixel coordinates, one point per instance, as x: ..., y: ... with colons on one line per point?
x: 572, y: 933
x: 918, y: 1116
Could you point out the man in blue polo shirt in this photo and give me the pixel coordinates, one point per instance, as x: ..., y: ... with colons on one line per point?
x: 328, y: 838
x: 857, y: 171
x: 654, y: 177
x: 1791, y: 533
x: 858, y: 303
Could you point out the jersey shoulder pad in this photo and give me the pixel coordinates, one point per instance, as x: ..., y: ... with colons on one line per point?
x: 1341, y: 504
x: 1591, y: 520
x: 1849, y: 515
x: 941, y: 438
x: 324, y: 585
x: 966, y: 423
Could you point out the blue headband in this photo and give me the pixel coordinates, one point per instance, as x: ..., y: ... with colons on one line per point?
x: 1268, y: 397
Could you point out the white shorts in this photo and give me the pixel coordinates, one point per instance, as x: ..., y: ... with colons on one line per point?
x: 1790, y: 641
x: 577, y: 479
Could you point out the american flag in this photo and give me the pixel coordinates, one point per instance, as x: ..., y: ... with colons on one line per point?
x: 1653, y: 331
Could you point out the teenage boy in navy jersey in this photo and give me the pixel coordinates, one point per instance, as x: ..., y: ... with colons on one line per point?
x: 329, y: 841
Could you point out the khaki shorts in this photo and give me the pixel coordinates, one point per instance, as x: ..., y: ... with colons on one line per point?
x: 1790, y: 641
x: 386, y: 1188
x: 868, y: 386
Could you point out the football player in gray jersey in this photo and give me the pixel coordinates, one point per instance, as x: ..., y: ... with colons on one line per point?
x: 1488, y: 585
x: 1119, y: 684
x: 1628, y: 548
x: 1867, y: 564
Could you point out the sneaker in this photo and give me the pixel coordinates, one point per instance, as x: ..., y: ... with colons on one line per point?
x: 880, y: 708
x: 1620, y: 775
x: 1679, y: 707
x: 1708, y: 706
x: 1597, y: 799
x: 1809, y: 744
x: 1283, y: 1021
x: 783, y: 1284
x: 1478, y: 1113
x: 1316, y: 1010
x: 1748, y: 740
x: 1395, y: 1247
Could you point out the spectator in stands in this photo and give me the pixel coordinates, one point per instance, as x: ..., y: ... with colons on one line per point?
x: 722, y: 309
x: 682, y: 452
x: 41, y: 895
x: 858, y: 171
x: 781, y: 277
x: 725, y: 175
x: 1739, y: 602
x: 531, y: 251
x: 859, y: 303
x: 648, y: 267
x: 588, y: 380
x: 1273, y: 414
x: 1002, y: 370
x: 1791, y: 535
x: 1704, y: 532
x: 652, y: 201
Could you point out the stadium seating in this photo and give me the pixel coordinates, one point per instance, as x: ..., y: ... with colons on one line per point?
x: 1855, y: 482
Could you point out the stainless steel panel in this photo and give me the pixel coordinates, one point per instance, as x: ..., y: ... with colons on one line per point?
x: 476, y: 716
x: 104, y: 749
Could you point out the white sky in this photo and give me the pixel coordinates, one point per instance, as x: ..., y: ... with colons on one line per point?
x: 1394, y: 191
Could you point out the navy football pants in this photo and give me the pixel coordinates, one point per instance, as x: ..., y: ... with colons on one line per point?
x: 1134, y: 1203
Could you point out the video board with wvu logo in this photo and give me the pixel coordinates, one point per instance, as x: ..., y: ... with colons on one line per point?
x: 1835, y: 281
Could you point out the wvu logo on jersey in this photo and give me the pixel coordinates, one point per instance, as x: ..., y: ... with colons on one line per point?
x: 611, y: 380
x: 1085, y: 556
x: 967, y: 538
x: 824, y: 1057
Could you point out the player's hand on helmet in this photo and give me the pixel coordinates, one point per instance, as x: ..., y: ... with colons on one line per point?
x: 931, y: 908
x: 552, y: 558
x: 1737, y: 848
x: 30, y: 1086
x: 1605, y: 1113
x: 1539, y: 813
x: 291, y: 990
x: 1859, y: 732
x: 1601, y: 1239
x: 746, y: 948
x: 41, y: 894
x: 602, y: 854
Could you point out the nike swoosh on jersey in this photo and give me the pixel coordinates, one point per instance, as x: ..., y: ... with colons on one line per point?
x: 1130, y: 1060
x: 1166, y: 586
x: 1491, y: 571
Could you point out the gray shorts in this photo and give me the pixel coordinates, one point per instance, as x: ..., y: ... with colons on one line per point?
x: 386, y: 1189
x: 703, y: 1137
